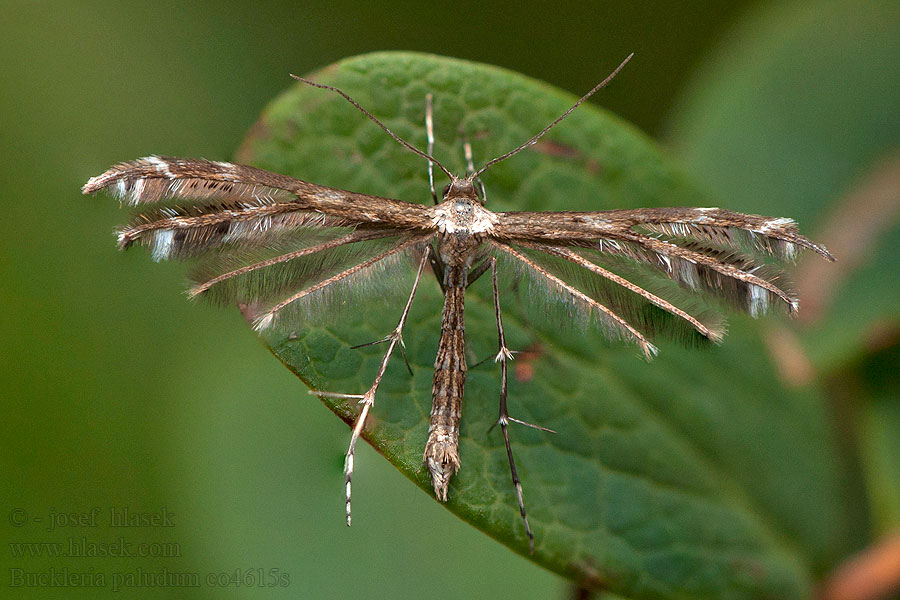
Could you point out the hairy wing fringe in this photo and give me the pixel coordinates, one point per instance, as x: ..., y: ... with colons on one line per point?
x: 275, y: 281
x: 369, y: 279
x: 774, y: 236
x: 158, y: 178
x: 733, y: 237
x: 182, y: 232
x: 740, y: 280
x: 547, y: 285
x: 749, y: 233
x: 695, y: 326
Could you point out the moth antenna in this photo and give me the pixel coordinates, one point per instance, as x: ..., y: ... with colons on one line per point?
x: 534, y: 139
x: 372, y: 118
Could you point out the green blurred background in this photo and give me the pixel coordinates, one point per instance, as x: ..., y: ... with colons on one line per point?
x: 120, y: 393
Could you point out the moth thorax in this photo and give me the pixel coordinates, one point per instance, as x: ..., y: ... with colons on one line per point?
x: 462, y: 211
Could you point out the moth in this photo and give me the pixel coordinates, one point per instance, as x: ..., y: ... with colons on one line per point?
x: 283, y: 243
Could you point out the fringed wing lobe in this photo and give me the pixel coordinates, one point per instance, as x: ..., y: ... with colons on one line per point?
x: 741, y: 280
x: 261, y: 275
x: 221, y: 203
x: 704, y: 249
x: 262, y: 236
x: 158, y: 178
x: 647, y: 311
x: 775, y: 236
x: 614, y: 325
x: 357, y: 278
x: 770, y: 235
x: 183, y: 232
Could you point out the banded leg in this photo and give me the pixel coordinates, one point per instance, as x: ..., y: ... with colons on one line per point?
x: 503, y: 355
x: 429, y: 133
x: 470, y: 170
x: 437, y: 266
x: 368, y: 399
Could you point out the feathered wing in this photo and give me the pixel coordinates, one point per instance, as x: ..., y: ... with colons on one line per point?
x: 614, y: 325
x: 198, y: 203
x: 652, y: 309
x: 157, y: 178
x: 372, y: 277
x: 614, y: 257
x: 261, y: 238
x: 776, y: 236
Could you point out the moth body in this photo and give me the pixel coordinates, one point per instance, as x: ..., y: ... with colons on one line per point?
x: 461, y: 221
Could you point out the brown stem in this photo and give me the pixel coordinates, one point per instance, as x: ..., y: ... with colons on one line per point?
x: 873, y: 574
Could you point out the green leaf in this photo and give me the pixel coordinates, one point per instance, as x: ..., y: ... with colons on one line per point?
x: 697, y: 475
x: 875, y: 380
x: 797, y: 114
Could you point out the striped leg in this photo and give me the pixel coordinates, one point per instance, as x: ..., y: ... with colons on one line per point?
x: 503, y: 356
x: 368, y: 399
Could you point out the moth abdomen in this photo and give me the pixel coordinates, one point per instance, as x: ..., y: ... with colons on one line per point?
x: 442, y: 447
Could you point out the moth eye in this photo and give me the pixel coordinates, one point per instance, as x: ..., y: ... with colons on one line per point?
x: 446, y: 190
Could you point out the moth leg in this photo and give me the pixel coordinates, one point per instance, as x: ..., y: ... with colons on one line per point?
x: 437, y: 267
x: 429, y: 133
x: 478, y: 271
x: 470, y: 168
x: 387, y: 338
x: 368, y: 399
x: 484, y: 360
x: 503, y: 356
x: 472, y: 277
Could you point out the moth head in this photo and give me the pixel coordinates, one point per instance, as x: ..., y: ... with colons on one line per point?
x: 461, y: 189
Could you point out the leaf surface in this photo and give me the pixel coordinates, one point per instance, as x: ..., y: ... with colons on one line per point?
x: 695, y: 476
